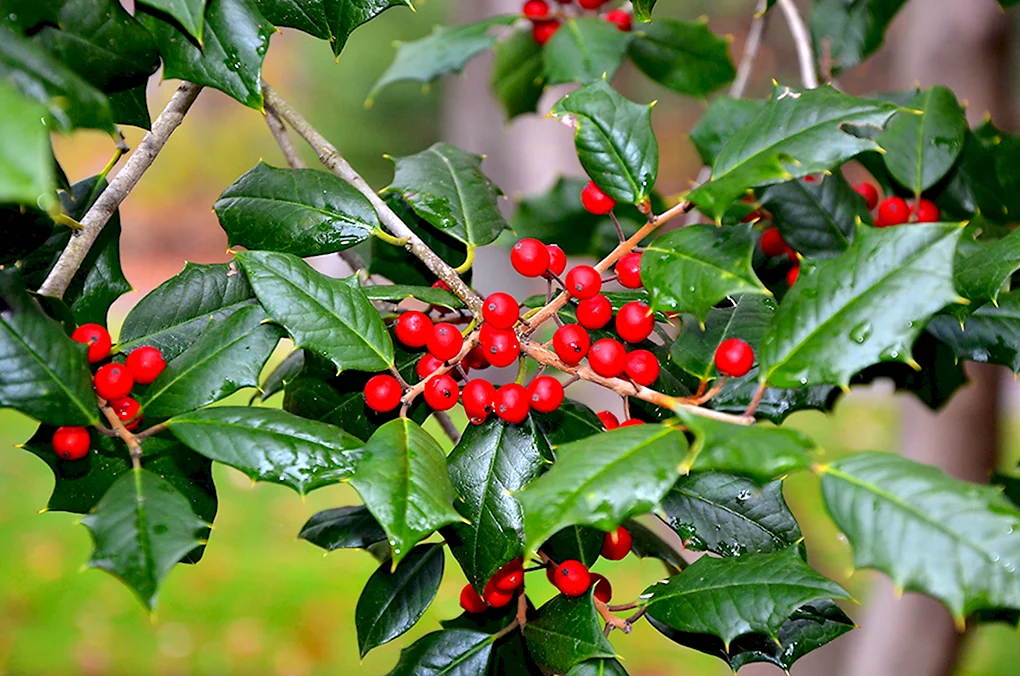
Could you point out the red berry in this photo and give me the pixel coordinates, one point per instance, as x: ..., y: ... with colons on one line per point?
x: 511, y: 403
x: 632, y: 422
x: 557, y: 259
x: 925, y: 211
x: 591, y: 4
x: 628, y: 271
x: 382, y: 393
x: 583, y: 281
x: 71, y: 443
x: 529, y: 257
x: 496, y: 597
x: 501, y: 347
x: 792, y: 274
x: 869, y: 192
x: 893, y: 211
x: 596, y: 201
x: 477, y: 397
x: 97, y: 338
x: 475, y: 359
x: 501, y: 310
x: 145, y: 364
x: 535, y: 9
x: 609, y: 421
x: 607, y: 358
x: 445, y: 341
x: 642, y: 367
x: 442, y: 286
x: 441, y: 392
x: 603, y: 590
x: 509, y: 577
x: 427, y: 365
x: 546, y: 394
x: 617, y: 544
x: 772, y: 243
x: 127, y: 410
x: 620, y: 17
x: 413, y: 329
x: 595, y: 312
x: 542, y: 31
x: 634, y: 322
x: 572, y: 578
x: 571, y: 344
x: 471, y: 601
x: 734, y: 357
x: 113, y: 381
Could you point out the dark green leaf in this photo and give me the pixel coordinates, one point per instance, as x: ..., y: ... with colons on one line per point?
x: 396, y: 596
x: 23, y: 16
x: 173, y: 315
x: 983, y: 180
x: 401, y: 266
x: 798, y: 132
x: 188, y: 13
x: 991, y: 334
x: 567, y: 632
x: 396, y: 293
x: 130, y: 106
x: 517, y: 73
x: 491, y: 463
x: 285, y: 373
x: 570, y: 422
x: 723, y: 118
x: 647, y: 544
x: 831, y: 324
x: 329, y: 316
x: 602, y: 480
x: 694, y: 349
x: 270, y: 445
x: 343, y: 16
x: 683, y: 56
x: 584, y: 49
x: 234, y: 42
x: 308, y: 16
x: 598, y: 668
x: 403, y: 480
x: 777, y: 403
x: 934, y: 383
x: 577, y: 543
x: 733, y: 596
x: 983, y: 266
x: 26, y: 167
x: 817, y: 219
x: 921, y: 148
x: 343, y: 528
x: 304, y: 212
x: 692, y: 269
x: 730, y: 515
x: 452, y: 652
x: 614, y: 138
x: 140, y: 530
x: 956, y: 541
x: 850, y: 32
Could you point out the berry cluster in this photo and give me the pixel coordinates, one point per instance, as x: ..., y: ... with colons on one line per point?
x: 113, y: 382
x: 545, y: 21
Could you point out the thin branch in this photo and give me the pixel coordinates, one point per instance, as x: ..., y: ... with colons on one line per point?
x: 283, y: 140
x: 134, y: 447
x: 127, y: 178
x: 446, y: 423
x: 415, y: 390
x: 802, y: 41
x: 155, y: 429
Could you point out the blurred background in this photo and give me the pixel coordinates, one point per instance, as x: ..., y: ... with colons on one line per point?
x: 262, y: 602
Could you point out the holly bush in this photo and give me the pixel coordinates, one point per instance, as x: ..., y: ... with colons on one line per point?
x: 791, y: 286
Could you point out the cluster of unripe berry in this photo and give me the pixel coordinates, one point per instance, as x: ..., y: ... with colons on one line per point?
x: 545, y: 21
x: 113, y: 382
x: 571, y: 578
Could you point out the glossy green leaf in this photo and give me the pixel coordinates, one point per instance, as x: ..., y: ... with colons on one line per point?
x: 396, y: 597
x: 643, y: 9
x: 517, y: 80
x: 396, y: 293
x: 130, y: 106
x: 684, y: 56
x: 921, y: 148
x: 403, y: 480
x: 343, y: 16
x: 490, y: 464
x: 446, y: 186
x: 730, y: 515
x: 24, y: 15
x: 598, y: 668
x: 584, y: 49
x: 343, y: 528
x: 445, y: 51
x: 509, y: 653
x: 777, y: 403
x: 304, y: 212
x: 45, y: 374
x: 694, y: 349
x: 566, y: 632
x: 451, y: 652
x: 188, y: 13
x: 234, y: 42
x: 983, y: 266
x: 26, y: 167
x: 172, y: 316
x: 577, y: 543
x: 983, y: 179
x: 328, y: 316
x: 570, y: 422
x: 831, y: 325
x: 991, y: 334
x: 614, y: 138
x: 648, y: 544
x: 723, y: 118
x: 940, y: 374
x: 798, y: 132
x: 227, y: 357
x: 955, y: 541
x: 399, y: 265
x: 817, y: 219
x: 285, y: 373
x: 733, y: 596
x: 602, y: 480
x: 692, y: 269
x: 140, y: 530
x: 850, y: 31
x: 268, y: 444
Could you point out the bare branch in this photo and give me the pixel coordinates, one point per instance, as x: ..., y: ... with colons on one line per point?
x: 801, y: 39
x: 122, y: 184
x: 134, y: 447
x: 446, y: 423
x: 283, y: 140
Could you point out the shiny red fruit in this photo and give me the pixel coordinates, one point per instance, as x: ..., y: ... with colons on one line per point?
x: 535, y: 9
x: 609, y: 421
x: 542, y: 31
x: 383, y: 393
x: 632, y: 422
x: 595, y: 312
x: 511, y: 403
x: 113, y: 381
x: 529, y: 257
x: 791, y: 275
x: 500, y: 310
x: 426, y: 365
x: 475, y: 359
x: 471, y: 601
x: 127, y: 411
x: 583, y: 281
x: 97, y: 338
x: 71, y: 443
x: 642, y: 367
x: 925, y: 211
x: 603, y: 590
x: 772, y: 243
x: 616, y: 545
x: 510, y: 576
x: 893, y: 211
x: 571, y: 344
x: 734, y: 357
x: 595, y: 201
x: 445, y: 341
x: 441, y: 392
x: 496, y: 597
x: 621, y: 18
x: 628, y: 270
x: 591, y: 4
x: 477, y: 397
x: 545, y: 394
x: 557, y: 259
x: 572, y: 578
x: 145, y: 364
x: 869, y: 192
x: 501, y: 347
x: 634, y: 322
x: 607, y: 358
x: 413, y: 329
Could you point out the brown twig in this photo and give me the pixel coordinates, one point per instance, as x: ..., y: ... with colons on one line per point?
x: 155, y: 429
x: 759, y: 394
x: 701, y: 397
x: 506, y: 630
x: 290, y: 153
x: 413, y: 391
x: 444, y: 420
x: 611, y: 619
x: 134, y: 447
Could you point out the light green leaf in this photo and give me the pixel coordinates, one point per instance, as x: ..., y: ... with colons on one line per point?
x: 684, y: 56
x: 452, y: 652
x: 584, y: 49
x: 921, y: 148
x: 723, y: 118
x: 643, y: 9
x: 983, y: 266
x: 26, y: 162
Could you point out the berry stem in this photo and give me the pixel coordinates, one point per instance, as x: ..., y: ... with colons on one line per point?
x: 449, y: 429
x: 507, y: 629
x: 616, y: 224
x: 468, y: 261
x: 702, y: 396
x: 400, y: 378
x: 612, y: 621
x: 134, y: 447
x: 759, y: 394
x: 624, y: 606
x: 155, y: 429
x: 388, y: 238
x: 414, y: 390
x: 105, y: 431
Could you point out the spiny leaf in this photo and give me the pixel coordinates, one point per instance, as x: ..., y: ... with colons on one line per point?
x: 188, y: 13
x: 566, y: 632
x: 921, y: 148
x: 991, y: 334
x: 723, y: 118
x: 694, y: 349
x: 451, y: 652
x: 684, y: 56
x: 584, y: 49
